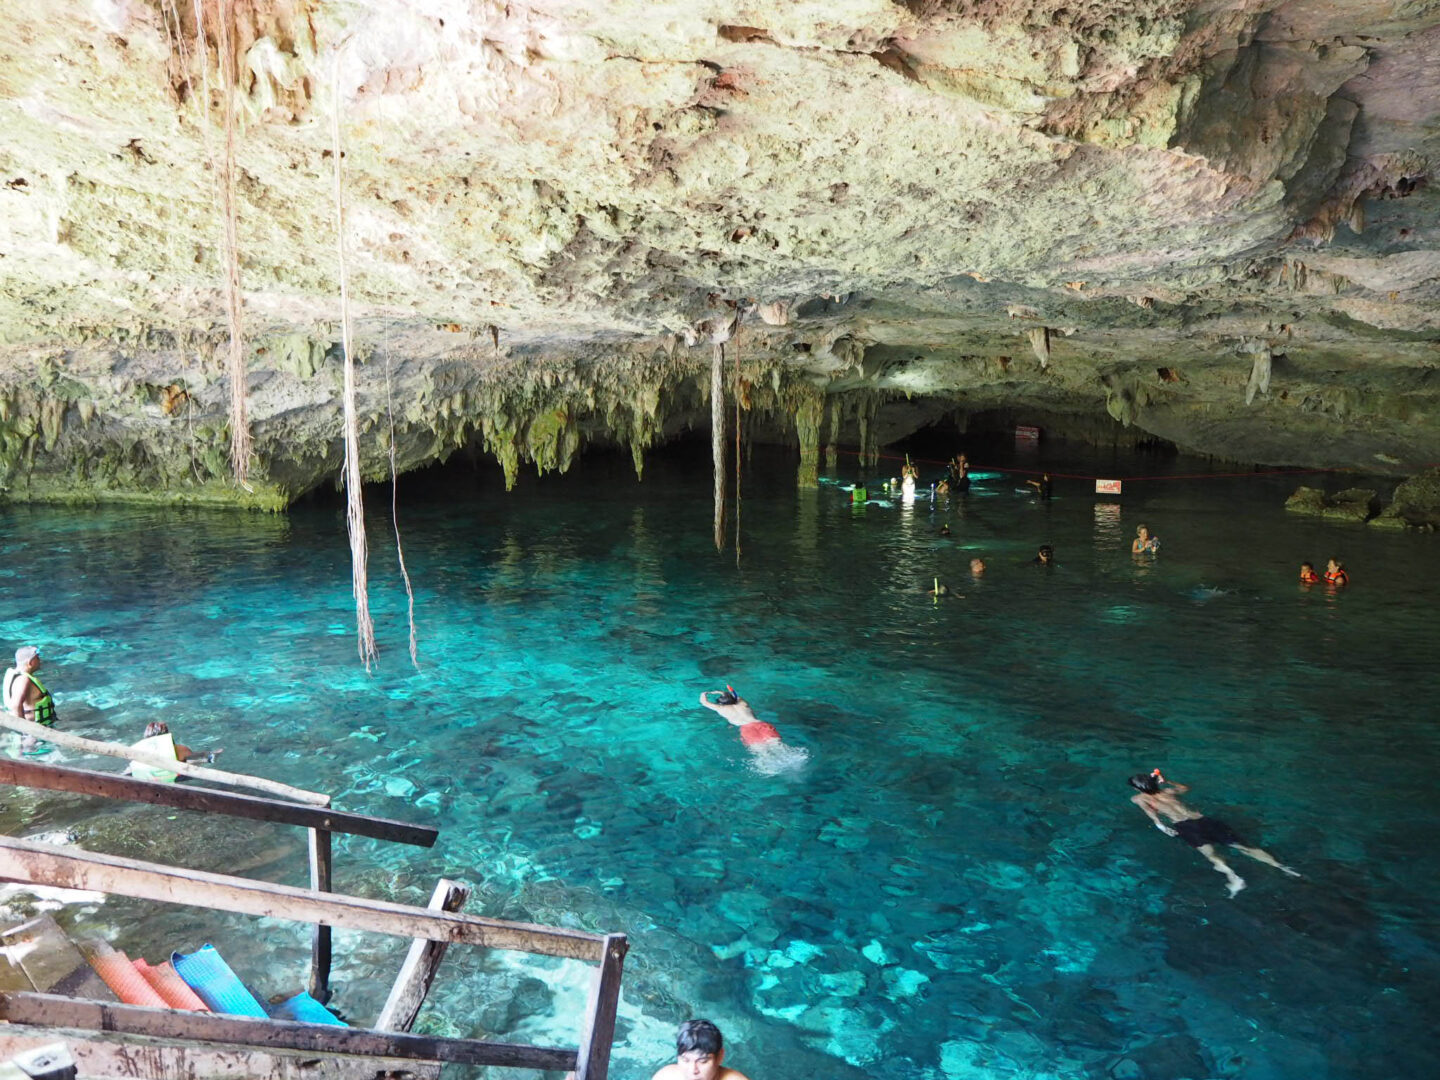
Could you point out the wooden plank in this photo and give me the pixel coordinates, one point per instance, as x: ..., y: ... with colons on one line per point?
x: 23, y: 861
x: 53, y: 1011
x: 181, y: 797
x: 182, y: 768
x: 320, y: 935
x: 51, y: 961
x: 421, y: 962
x: 598, y: 1034
x: 112, y: 1056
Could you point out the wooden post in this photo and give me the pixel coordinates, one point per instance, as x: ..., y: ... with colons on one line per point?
x: 421, y: 963
x: 180, y: 768
x: 593, y: 1059
x: 320, y: 939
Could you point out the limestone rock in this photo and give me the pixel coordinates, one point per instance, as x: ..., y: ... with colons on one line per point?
x: 1416, y: 503
x: 1353, y: 504
x: 1306, y: 500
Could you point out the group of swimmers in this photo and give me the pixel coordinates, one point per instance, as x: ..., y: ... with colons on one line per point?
x: 1334, y: 574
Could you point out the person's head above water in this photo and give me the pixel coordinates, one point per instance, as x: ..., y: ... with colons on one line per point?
x: 699, y: 1050
x: 977, y: 566
x: 945, y: 529
x: 728, y: 696
x: 1142, y: 531
x: 1046, y: 554
x: 1149, y: 782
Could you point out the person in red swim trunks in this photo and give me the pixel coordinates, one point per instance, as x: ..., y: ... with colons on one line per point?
x: 754, y: 732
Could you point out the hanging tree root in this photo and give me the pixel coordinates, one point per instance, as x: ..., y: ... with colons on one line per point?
x: 354, y: 503
x: 240, y: 444
x: 717, y: 439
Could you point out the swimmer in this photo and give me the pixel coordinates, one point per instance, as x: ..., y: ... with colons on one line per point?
x: 942, y: 488
x: 938, y: 590
x: 753, y: 731
x: 945, y: 529
x: 1042, y: 486
x: 158, y: 742
x: 1144, y: 543
x: 1308, y: 576
x: 1045, y: 556
x: 1335, y: 573
x: 699, y: 1055
x: 977, y: 567
x: 1200, y: 832
x: 760, y: 738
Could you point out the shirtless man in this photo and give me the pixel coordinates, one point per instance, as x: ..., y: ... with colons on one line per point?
x: 1200, y: 832
x: 754, y: 732
x: 699, y: 1055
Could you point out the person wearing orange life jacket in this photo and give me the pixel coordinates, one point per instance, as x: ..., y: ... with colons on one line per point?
x: 1308, y: 576
x: 1335, y: 573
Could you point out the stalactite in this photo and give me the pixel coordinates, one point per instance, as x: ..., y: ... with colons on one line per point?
x: 354, y: 503
x: 1259, y: 375
x: 808, y: 418
x: 831, y: 453
x: 240, y: 444
x: 717, y: 439
x: 1040, y: 341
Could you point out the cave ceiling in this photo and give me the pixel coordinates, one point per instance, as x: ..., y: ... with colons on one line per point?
x: 1216, y: 223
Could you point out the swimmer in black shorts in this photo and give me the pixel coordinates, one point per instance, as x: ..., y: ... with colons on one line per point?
x: 1197, y: 830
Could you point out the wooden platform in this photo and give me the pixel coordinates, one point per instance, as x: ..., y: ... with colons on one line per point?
x: 135, y: 1057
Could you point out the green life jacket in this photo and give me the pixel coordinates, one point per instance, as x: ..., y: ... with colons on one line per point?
x: 42, y: 711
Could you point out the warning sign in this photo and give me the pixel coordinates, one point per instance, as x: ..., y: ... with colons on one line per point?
x: 1107, y: 487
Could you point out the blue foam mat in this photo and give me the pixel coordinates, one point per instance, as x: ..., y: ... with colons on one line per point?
x: 306, y: 1010
x: 206, y: 972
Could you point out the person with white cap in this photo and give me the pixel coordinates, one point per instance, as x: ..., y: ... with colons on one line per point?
x: 26, y: 697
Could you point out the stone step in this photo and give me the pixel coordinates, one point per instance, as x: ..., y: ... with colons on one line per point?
x: 52, y: 962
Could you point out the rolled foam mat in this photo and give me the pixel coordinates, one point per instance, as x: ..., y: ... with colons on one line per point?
x: 304, y: 1009
x: 120, y: 975
x: 170, y: 986
x: 216, y: 985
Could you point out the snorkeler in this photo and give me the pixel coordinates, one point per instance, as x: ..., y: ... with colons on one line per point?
x: 1308, y: 576
x: 1335, y: 573
x: 1200, y: 832
x: 1144, y: 543
x: 945, y: 529
x: 1045, y: 556
x: 754, y: 732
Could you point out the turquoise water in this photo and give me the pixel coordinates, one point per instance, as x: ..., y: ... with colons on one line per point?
x: 952, y: 884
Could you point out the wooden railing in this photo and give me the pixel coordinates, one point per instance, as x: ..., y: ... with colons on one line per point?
x: 40, y: 864
x: 321, y: 821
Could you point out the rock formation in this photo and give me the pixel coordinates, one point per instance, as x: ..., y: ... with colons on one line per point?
x: 1214, y: 224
